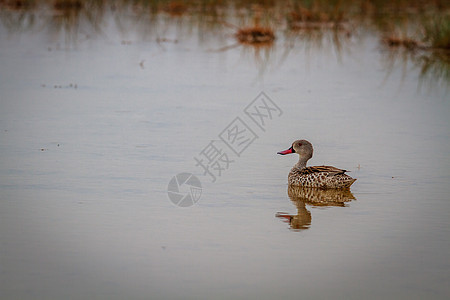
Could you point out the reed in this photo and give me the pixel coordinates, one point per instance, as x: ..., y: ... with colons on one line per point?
x: 430, y: 19
x: 317, y: 14
x: 437, y: 32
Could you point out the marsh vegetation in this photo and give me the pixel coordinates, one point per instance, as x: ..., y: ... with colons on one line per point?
x: 416, y: 29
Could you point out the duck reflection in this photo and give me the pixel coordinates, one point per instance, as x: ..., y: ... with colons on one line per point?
x: 301, y: 196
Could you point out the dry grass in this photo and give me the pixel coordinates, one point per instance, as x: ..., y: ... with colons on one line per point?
x: 17, y: 4
x: 67, y: 5
x: 255, y: 35
x: 176, y: 8
x: 394, y: 41
x: 317, y: 16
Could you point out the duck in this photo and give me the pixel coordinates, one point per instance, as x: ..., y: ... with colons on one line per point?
x: 324, y: 177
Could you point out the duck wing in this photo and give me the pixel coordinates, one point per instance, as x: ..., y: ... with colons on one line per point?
x: 320, y: 169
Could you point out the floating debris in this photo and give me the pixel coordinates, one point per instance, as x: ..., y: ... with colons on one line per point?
x: 166, y: 40
x: 59, y: 86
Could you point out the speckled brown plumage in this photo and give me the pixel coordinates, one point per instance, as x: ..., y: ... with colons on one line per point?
x: 318, y: 177
x: 325, y: 177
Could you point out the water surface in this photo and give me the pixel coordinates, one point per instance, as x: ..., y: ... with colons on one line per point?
x: 92, y: 131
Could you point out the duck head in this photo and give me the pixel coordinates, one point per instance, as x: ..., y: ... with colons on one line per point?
x: 301, y: 147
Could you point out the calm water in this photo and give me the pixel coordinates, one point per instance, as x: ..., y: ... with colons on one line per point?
x: 92, y: 131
